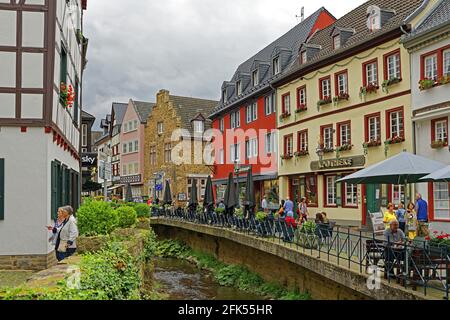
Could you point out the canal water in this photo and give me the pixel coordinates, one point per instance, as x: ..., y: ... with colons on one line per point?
x: 181, y: 280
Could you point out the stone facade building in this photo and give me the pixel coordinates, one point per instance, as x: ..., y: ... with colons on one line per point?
x: 170, y: 114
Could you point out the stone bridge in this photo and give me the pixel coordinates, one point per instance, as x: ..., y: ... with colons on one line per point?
x: 276, y: 261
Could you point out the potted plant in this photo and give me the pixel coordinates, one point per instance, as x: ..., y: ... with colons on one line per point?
x: 340, y: 97
x: 66, y: 95
x: 219, y: 211
x: 387, y: 83
x: 238, y: 212
x: 368, y: 89
x: 326, y: 100
x: 395, y: 140
x: 438, y: 144
x: 301, y: 108
x: 444, y: 80
x: 306, y: 235
x: 344, y: 147
x: 438, y: 243
x: 426, y: 84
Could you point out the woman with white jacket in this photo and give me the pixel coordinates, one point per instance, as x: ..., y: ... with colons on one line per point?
x: 66, y: 244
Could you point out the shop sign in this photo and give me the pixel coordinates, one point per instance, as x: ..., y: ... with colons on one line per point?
x: 89, y: 160
x: 131, y: 179
x: 359, y: 161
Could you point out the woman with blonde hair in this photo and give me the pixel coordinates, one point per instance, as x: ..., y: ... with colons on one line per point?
x: 412, y: 223
x: 389, y: 216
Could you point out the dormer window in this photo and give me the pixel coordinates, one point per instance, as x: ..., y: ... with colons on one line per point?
x: 276, y: 66
x: 199, y: 126
x: 239, y: 88
x: 255, y: 78
x: 337, y: 42
x: 303, y: 57
x: 224, y: 96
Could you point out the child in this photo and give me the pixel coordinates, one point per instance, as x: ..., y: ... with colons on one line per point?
x: 411, y: 221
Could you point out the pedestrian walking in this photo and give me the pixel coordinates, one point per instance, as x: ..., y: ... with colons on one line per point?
x: 400, y: 213
x: 66, y: 240
x: 422, y: 216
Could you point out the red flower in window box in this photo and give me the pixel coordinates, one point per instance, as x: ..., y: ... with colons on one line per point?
x: 301, y: 108
x: 326, y: 100
x: 439, y: 144
x: 426, y: 84
x: 342, y: 96
x: 285, y: 115
x: 66, y: 95
x: 287, y: 156
x: 395, y: 140
x: 373, y: 143
x: 370, y: 88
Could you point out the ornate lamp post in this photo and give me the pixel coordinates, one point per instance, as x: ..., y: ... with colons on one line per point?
x: 320, y: 152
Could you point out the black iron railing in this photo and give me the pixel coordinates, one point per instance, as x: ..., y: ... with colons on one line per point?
x: 414, y: 265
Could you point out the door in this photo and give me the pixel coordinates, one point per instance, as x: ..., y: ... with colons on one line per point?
x: 373, y: 200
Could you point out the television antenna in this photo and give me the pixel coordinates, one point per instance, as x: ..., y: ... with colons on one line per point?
x: 302, y: 14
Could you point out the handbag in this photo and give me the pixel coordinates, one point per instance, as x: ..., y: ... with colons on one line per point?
x: 62, y: 247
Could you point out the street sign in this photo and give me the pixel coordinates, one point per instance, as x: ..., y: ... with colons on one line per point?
x: 159, y: 187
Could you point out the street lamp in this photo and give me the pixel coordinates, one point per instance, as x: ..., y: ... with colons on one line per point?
x: 320, y: 152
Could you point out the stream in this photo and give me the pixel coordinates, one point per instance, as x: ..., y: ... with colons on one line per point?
x: 181, y: 280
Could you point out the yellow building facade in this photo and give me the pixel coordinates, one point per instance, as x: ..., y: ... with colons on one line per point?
x: 342, y: 110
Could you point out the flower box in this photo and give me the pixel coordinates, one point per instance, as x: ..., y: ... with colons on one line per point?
x: 301, y: 108
x: 340, y: 97
x: 444, y: 80
x: 302, y: 153
x: 373, y: 144
x: 387, y: 83
x: 287, y: 156
x: 324, y: 101
x: 426, y: 84
x: 394, y: 140
x: 285, y: 115
x: 328, y: 150
x: 345, y: 147
x: 365, y: 90
x: 439, y: 144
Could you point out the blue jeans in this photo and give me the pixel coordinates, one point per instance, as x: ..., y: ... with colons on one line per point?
x: 60, y: 256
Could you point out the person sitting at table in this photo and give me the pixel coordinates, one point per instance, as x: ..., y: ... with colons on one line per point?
x: 395, y: 238
x: 389, y: 216
x: 394, y: 235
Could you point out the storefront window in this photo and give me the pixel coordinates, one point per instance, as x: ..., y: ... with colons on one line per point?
x: 351, y: 195
x: 272, y: 192
x: 310, y: 185
x: 398, y: 194
x: 442, y: 201
x: 331, y: 195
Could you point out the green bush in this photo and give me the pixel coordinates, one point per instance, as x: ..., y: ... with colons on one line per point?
x: 96, y: 218
x: 150, y: 245
x: 127, y: 216
x: 142, y: 210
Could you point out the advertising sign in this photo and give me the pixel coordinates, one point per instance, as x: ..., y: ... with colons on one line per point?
x: 89, y: 160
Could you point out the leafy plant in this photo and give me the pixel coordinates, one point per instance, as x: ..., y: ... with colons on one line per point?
x: 261, y: 216
x: 239, y: 212
x: 439, y: 144
x: 127, y: 217
x: 96, y: 218
x: 426, y: 84
x: 387, y: 83
x: 309, y: 227
x: 142, y: 210
x: 219, y: 211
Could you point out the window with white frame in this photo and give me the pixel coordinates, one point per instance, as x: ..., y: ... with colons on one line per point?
x: 342, y: 80
x: 446, y: 62
x: 239, y: 87
x: 224, y: 96
x: 289, y: 145
x: 441, y: 128
x: 199, y: 126
x: 255, y: 77
x: 351, y: 195
x: 269, y: 104
x: 325, y: 86
x: 235, y: 153
x: 276, y: 66
x: 345, y: 134
x: 337, y: 41
x: 124, y: 170
x: 221, y: 154
x: 136, y: 146
x: 301, y: 96
x: 248, y: 113
x: 254, y: 111
x: 303, y: 57
x: 271, y: 145
x: 396, y: 124
x: 398, y: 194
x: 328, y: 141
x: 222, y: 125
x: 287, y: 103
x: 331, y: 190
x: 235, y: 119
x: 372, y: 74
x: 441, y: 201
x: 84, y: 135
x: 393, y: 66
x: 431, y: 67
x: 160, y: 127
x: 303, y: 141
x: 251, y: 148
x: 374, y: 129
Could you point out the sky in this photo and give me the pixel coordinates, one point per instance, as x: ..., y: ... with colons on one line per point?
x: 189, y: 47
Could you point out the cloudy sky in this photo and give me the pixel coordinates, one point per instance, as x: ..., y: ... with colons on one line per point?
x: 137, y: 47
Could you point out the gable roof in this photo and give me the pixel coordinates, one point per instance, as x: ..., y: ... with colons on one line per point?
x: 189, y: 109
x: 119, y: 110
x: 143, y: 109
x: 357, y: 20
x: 87, y: 115
x: 435, y: 19
x: 289, y: 42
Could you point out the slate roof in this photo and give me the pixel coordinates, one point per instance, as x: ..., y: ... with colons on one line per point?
x: 356, y: 19
x: 438, y: 16
x: 143, y: 109
x: 189, y: 109
x: 119, y: 110
x: 290, y: 41
x: 86, y: 115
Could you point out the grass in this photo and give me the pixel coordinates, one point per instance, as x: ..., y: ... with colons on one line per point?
x: 14, y: 278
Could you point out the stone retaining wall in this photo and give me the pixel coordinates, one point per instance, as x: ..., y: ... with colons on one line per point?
x: 28, y: 262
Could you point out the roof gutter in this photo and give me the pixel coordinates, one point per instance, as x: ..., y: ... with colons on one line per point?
x: 416, y: 12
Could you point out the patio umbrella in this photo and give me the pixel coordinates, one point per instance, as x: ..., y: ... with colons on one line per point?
x: 209, y: 195
x: 442, y: 175
x: 193, y: 200
x: 404, y: 168
x: 230, y: 199
x: 167, y: 194
x: 249, y: 199
x: 129, y: 194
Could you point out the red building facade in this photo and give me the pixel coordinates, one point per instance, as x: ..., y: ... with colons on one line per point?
x: 245, y: 119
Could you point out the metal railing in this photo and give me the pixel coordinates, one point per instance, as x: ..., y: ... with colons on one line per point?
x: 414, y: 265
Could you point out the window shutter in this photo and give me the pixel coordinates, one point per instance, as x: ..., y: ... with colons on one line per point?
x: 2, y: 189
x: 54, y: 190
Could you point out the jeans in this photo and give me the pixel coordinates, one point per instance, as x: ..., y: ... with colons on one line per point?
x: 60, y: 256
